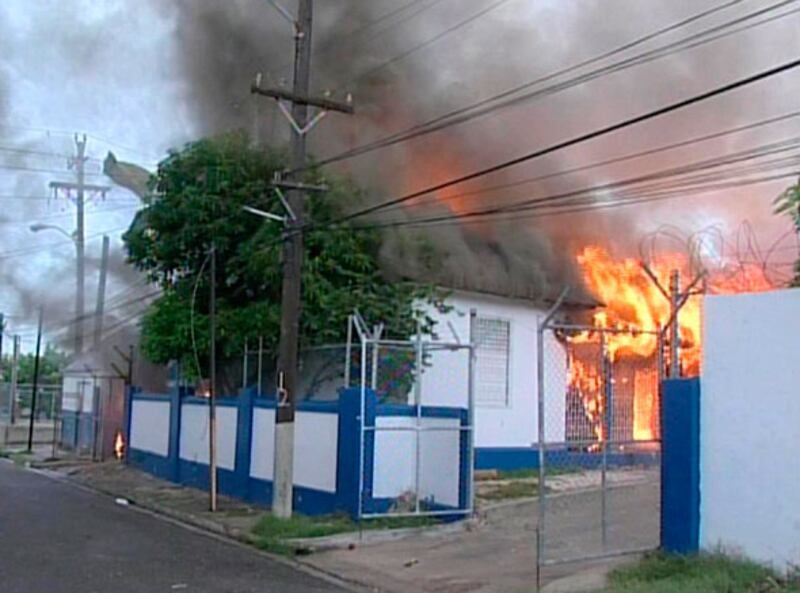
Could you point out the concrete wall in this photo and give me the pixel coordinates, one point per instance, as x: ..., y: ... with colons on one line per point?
x: 750, y: 426
x: 513, y: 424
x: 194, y: 434
x: 315, y: 448
x: 396, y: 459
x: 150, y: 426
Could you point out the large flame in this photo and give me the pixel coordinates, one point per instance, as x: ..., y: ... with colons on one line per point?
x: 636, y: 306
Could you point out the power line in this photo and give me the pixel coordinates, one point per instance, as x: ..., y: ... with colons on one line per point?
x: 611, y: 161
x: 35, y: 218
x: 577, y: 140
x: 45, y: 247
x: 695, y: 167
x: 493, y: 103
x: 402, y: 56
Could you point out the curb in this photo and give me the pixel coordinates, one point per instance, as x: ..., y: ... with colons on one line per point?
x: 215, y: 530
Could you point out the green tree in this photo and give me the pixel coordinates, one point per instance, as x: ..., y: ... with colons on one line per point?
x: 788, y: 203
x: 196, y: 198
x: 51, y: 365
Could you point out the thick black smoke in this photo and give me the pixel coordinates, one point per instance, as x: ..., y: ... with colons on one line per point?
x: 222, y: 45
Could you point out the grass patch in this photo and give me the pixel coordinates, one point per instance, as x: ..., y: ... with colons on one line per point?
x: 509, y: 490
x: 659, y: 573
x: 521, y: 474
x: 272, y: 533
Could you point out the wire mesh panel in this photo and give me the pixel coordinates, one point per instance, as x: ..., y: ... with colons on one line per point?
x: 416, y: 428
x: 599, y: 480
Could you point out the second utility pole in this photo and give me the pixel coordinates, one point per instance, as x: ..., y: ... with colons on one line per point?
x: 283, y: 477
x: 282, y: 484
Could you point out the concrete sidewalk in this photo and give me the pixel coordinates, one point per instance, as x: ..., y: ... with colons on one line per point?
x: 493, y: 553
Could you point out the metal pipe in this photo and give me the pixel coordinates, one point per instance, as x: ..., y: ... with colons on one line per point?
x: 540, y: 525
x: 608, y: 330
x: 675, y: 337
x: 605, y: 435
x: 361, y: 432
x: 418, y: 418
x: 244, y: 367
x: 434, y: 428
x: 260, y: 361
x: 348, y: 352
x: 375, y: 352
x: 473, y: 315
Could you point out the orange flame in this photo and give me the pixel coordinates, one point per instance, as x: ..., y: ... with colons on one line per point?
x: 119, y: 445
x: 632, y: 302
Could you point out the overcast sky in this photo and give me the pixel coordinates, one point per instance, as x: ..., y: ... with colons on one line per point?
x: 135, y: 76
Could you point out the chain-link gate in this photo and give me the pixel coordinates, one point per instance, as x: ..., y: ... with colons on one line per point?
x: 415, y: 425
x: 599, y: 442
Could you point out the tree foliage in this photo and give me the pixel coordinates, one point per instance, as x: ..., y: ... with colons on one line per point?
x: 196, y: 199
x: 51, y: 364
x: 788, y: 203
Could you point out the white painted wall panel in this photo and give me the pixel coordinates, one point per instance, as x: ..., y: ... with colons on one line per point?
x: 262, y: 444
x: 395, y: 459
x: 514, y: 424
x: 315, y: 450
x: 440, y: 461
x: 150, y: 427
x: 749, y: 435
x: 194, y: 434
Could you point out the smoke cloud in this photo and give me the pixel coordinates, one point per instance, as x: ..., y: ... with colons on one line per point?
x: 221, y: 47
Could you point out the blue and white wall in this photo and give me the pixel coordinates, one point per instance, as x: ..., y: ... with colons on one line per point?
x: 168, y: 436
x: 506, y: 433
x: 750, y: 426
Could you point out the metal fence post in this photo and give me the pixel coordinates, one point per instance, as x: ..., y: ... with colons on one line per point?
x: 348, y: 352
x: 541, y: 441
x: 473, y: 314
x: 605, y: 435
x: 418, y: 403
x: 362, y: 413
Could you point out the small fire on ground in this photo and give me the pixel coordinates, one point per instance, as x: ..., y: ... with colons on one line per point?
x: 119, y: 445
x: 633, y: 304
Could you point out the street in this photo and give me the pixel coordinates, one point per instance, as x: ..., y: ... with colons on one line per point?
x: 55, y: 538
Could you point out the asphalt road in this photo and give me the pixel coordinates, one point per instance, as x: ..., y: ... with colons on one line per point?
x: 55, y: 538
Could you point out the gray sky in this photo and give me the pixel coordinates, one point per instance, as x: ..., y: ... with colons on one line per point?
x: 140, y: 77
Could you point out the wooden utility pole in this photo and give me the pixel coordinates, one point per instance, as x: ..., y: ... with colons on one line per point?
x: 212, y: 385
x: 14, y: 378
x: 101, y: 293
x: 35, y: 380
x: 77, y: 191
x: 293, y: 245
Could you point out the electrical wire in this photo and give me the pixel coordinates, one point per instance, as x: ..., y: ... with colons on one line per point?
x: 438, y: 37
x: 762, y: 75
x: 611, y: 161
x: 45, y: 247
x: 507, y: 98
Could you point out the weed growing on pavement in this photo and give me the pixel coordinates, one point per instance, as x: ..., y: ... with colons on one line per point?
x: 273, y: 534
x: 706, y: 573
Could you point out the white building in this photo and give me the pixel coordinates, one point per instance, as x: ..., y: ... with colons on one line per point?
x: 505, y: 391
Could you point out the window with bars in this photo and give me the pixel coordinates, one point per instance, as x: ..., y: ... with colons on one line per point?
x: 492, y: 361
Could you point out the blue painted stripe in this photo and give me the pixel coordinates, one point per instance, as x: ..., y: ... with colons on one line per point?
x: 513, y: 458
x: 152, y: 397
x: 321, y: 407
x: 427, y: 411
x: 680, y: 470
x: 193, y: 400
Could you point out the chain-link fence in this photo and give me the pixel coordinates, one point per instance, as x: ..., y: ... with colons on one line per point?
x: 415, y: 426
x: 599, y: 440
x: 16, y: 403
